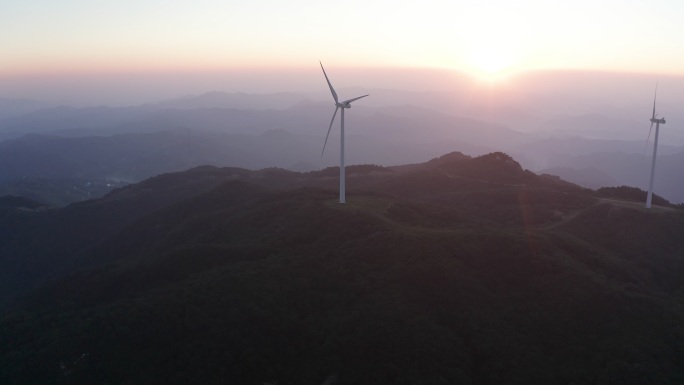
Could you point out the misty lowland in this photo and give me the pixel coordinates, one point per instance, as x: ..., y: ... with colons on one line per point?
x: 487, y: 236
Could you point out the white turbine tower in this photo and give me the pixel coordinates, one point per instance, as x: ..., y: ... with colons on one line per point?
x: 338, y: 105
x: 657, y: 122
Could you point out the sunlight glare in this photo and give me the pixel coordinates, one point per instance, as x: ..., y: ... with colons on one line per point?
x: 492, y: 63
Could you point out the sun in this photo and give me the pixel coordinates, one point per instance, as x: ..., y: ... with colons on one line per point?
x: 492, y: 63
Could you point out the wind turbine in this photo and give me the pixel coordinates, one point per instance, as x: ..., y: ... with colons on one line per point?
x: 655, y: 147
x: 338, y: 105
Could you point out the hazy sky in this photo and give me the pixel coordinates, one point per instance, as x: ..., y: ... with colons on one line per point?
x: 482, y: 38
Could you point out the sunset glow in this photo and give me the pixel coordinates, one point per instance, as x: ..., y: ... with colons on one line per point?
x: 486, y: 40
x: 492, y: 64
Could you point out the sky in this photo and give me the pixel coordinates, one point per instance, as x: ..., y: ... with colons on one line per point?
x: 43, y: 41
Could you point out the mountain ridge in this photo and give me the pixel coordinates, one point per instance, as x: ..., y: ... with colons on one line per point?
x: 457, y: 270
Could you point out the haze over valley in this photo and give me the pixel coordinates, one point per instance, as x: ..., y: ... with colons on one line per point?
x: 587, y: 133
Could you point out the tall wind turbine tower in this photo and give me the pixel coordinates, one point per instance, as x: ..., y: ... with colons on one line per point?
x: 338, y: 105
x: 657, y: 122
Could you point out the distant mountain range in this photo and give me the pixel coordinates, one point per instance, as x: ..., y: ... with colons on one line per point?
x: 17, y: 107
x: 456, y: 270
x: 217, y: 99
x: 106, y: 144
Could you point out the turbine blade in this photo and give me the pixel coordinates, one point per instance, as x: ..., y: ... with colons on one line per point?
x: 329, y: 128
x: 351, y: 100
x: 334, y: 94
x: 647, y: 139
x: 654, y: 102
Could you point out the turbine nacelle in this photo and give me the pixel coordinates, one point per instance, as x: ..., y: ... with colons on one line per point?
x: 655, y: 120
x: 347, y: 103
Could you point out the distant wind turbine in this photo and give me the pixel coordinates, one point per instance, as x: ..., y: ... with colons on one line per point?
x: 655, y: 146
x: 338, y: 105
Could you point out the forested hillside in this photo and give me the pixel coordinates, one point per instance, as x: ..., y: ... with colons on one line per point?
x: 459, y: 270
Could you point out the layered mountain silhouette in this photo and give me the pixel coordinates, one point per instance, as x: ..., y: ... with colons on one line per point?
x: 47, y: 148
x: 457, y: 270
